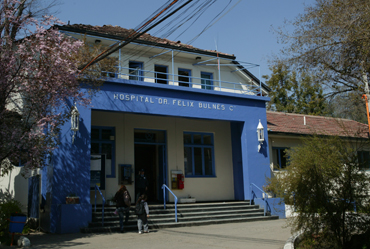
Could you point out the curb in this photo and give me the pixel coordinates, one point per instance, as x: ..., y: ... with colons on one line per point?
x: 289, y: 244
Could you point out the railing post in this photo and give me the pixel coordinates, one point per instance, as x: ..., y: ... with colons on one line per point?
x: 164, y: 196
x: 175, y: 197
x: 252, y: 193
x: 175, y: 209
x: 264, y: 196
x: 103, y: 201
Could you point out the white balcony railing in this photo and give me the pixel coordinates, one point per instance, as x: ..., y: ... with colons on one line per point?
x: 184, y: 81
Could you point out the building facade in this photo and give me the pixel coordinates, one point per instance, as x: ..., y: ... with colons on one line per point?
x: 187, y: 116
x: 286, y: 130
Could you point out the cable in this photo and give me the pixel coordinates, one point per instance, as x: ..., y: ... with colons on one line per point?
x: 210, y: 25
x: 197, y: 13
x: 134, y: 35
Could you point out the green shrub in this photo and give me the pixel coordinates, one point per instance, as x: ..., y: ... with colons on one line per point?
x: 8, y: 206
x: 324, y: 182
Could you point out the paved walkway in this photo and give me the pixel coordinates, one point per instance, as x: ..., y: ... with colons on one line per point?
x: 260, y: 234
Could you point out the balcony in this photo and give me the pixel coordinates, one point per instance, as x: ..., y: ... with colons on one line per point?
x: 205, y: 82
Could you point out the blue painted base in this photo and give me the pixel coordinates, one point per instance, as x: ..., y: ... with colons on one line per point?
x: 73, y: 217
x: 276, y: 205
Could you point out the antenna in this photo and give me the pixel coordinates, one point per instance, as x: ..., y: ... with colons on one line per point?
x: 218, y: 64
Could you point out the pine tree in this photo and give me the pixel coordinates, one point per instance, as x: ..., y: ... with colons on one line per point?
x: 294, y: 92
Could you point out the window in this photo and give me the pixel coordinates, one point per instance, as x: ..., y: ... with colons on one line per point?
x: 198, y: 154
x: 207, y: 80
x: 364, y: 159
x: 279, y: 158
x: 161, y: 75
x: 135, y: 70
x: 110, y: 69
x: 102, y: 142
x: 184, y: 77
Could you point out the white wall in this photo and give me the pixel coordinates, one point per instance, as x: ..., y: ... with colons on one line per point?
x: 16, y: 185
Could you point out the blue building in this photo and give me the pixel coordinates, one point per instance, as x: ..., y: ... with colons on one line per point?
x: 187, y: 116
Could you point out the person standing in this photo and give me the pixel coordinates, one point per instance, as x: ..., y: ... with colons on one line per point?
x: 141, y: 184
x: 142, y: 211
x: 123, y: 203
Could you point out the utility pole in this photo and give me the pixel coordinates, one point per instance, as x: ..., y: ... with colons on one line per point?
x: 366, y: 96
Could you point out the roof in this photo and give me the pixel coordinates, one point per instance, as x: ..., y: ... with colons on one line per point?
x: 119, y: 33
x: 300, y: 124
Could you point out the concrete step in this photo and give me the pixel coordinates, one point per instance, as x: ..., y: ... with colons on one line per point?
x: 180, y: 213
x: 155, y: 207
x: 187, y: 215
x: 133, y: 227
x: 180, y: 218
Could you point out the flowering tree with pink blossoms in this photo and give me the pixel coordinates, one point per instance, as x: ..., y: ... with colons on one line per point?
x: 37, y: 80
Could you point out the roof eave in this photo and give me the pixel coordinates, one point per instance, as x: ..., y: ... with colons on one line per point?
x: 291, y: 134
x: 109, y: 36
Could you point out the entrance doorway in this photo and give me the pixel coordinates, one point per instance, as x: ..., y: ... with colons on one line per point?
x: 150, y: 155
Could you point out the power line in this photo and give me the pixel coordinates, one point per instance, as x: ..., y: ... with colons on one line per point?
x: 135, y: 34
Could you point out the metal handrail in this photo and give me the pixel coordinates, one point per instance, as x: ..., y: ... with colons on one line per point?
x: 164, y: 187
x: 145, y: 74
x: 97, y: 188
x: 264, y: 196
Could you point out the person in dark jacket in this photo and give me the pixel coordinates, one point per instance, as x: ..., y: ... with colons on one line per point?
x: 123, y: 203
x: 142, y: 219
x: 141, y: 184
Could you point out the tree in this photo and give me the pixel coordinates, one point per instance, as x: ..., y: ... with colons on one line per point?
x: 294, y: 92
x: 331, y: 40
x: 348, y: 105
x: 326, y: 186
x: 25, y: 12
x: 37, y: 77
x: 281, y: 86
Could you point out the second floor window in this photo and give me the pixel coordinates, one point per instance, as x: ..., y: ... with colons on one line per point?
x: 206, y: 80
x: 161, y: 75
x: 136, y: 70
x: 184, y: 77
x: 109, y: 68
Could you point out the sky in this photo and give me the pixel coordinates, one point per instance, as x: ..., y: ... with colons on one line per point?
x: 245, y: 31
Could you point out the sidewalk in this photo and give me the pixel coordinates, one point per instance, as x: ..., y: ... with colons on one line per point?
x: 260, y: 234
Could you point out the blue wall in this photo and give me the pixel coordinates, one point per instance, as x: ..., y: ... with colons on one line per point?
x: 71, y: 162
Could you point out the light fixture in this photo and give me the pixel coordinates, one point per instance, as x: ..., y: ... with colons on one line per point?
x: 75, y: 121
x: 260, y: 135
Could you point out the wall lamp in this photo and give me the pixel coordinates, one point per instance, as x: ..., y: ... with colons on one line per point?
x: 75, y: 121
x: 260, y: 134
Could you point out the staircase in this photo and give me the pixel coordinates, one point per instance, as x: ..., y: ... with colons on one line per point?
x: 194, y: 214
